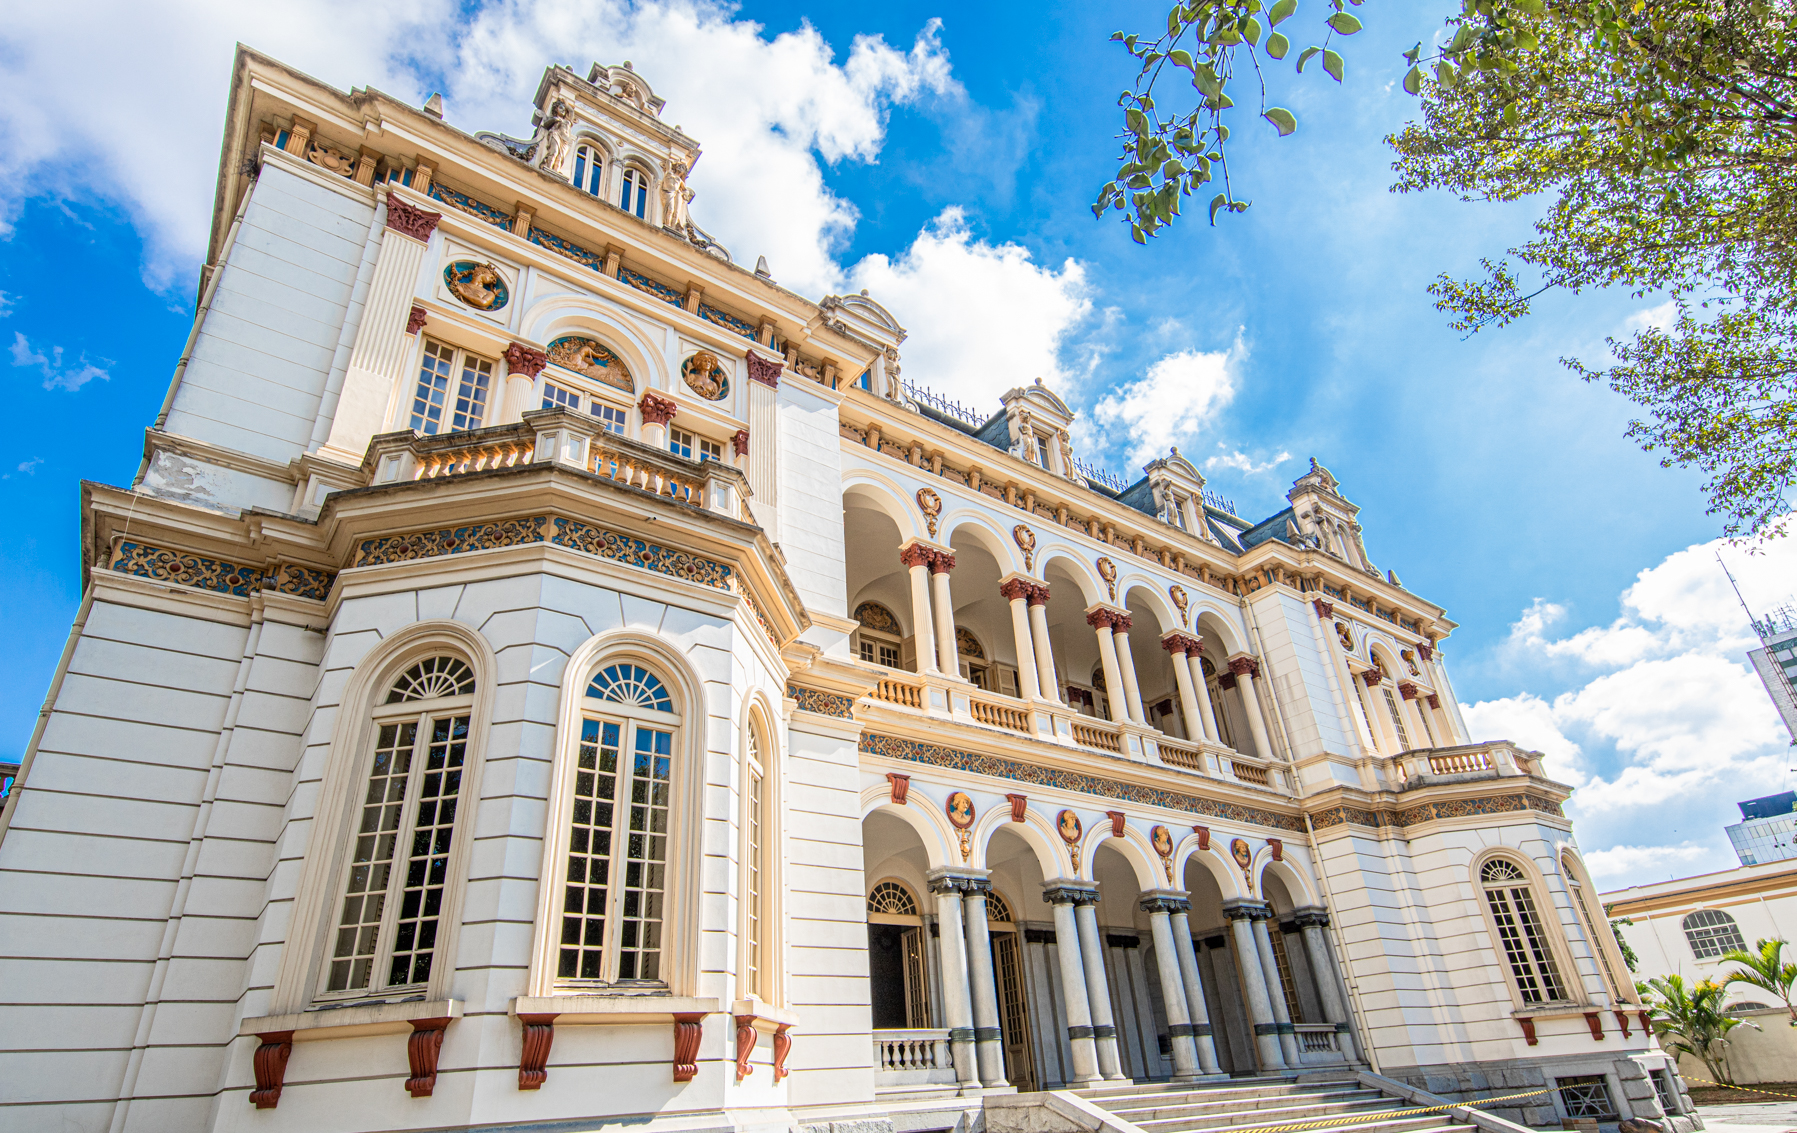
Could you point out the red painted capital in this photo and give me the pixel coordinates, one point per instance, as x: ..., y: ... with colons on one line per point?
x: 1372, y: 677
x: 1038, y: 594
x: 1180, y: 643
x: 1123, y: 623
x: 1409, y: 691
x: 916, y: 556
x: 1426, y: 650
x: 764, y: 370
x: 1434, y: 701
x: 1325, y: 610
x: 1101, y: 619
x: 522, y: 359
x: 415, y: 320
x: 1245, y: 667
x: 739, y: 440
x: 1015, y: 590
x: 656, y: 409
x: 941, y: 562
x: 409, y: 220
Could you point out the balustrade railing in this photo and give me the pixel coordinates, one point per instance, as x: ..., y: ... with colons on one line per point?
x: 1181, y: 755
x: 1317, y: 1038
x: 1461, y: 763
x: 999, y: 715
x: 914, y: 1050
x: 896, y: 690
x: 463, y: 458
x: 1250, y: 773
x: 1098, y: 734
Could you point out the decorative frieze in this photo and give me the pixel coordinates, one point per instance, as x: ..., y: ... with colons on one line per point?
x: 1429, y: 812
x: 216, y: 575
x: 821, y: 702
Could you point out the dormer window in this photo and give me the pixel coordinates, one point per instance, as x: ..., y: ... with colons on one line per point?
x: 634, y: 197
x: 587, y: 170
x: 1042, y: 451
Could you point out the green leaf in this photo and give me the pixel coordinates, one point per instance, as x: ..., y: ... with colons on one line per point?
x: 1216, y: 203
x: 1138, y: 122
x: 1278, y: 45
x: 1305, y: 57
x: 1135, y: 233
x: 1447, y: 75
x: 1532, y: 7
x: 1282, y: 119
x: 1414, y: 53
x: 1413, y: 82
x: 1173, y: 20
x: 1332, y: 63
x: 1116, y: 37
x: 1343, y: 23
x: 1281, y: 12
x: 1251, y: 30
x: 1463, y: 35
x: 1181, y: 58
x: 1510, y: 115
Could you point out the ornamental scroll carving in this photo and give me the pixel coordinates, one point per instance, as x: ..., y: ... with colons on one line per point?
x: 1107, y: 570
x: 764, y: 370
x: 931, y: 505
x: 1026, y: 542
x: 656, y: 409
x: 522, y: 359
x: 1181, y: 602
x: 415, y: 320
x: 410, y: 220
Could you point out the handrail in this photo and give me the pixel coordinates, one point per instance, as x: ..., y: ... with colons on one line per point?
x: 999, y: 715
x: 1097, y: 734
x: 899, y: 691
x: 1177, y: 754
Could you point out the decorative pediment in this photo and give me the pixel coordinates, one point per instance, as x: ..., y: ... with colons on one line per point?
x: 621, y: 81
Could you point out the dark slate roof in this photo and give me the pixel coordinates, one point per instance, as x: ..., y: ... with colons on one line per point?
x: 996, y: 432
x: 1273, y: 527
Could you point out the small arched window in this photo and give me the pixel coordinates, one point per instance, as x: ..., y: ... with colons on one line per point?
x: 891, y: 899
x: 634, y: 195
x: 615, y: 885
x: 1521, y: 934
x: 756, y: 828
x: 878, y: 639
x: 998, y: 910
x: 1595, y: 929
x: 1712, y: 932
x: 395, y: 881
x: 588, y: 170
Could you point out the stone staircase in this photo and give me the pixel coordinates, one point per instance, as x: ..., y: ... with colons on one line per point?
x: 1259, y: 1105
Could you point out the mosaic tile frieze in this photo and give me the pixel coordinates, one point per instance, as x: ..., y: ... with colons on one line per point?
x: 300, y: 581
x: 821, y: 702
x: 1430, y: 812
x: 631, y: 551
x: 496, y: 217
x: 160, y: 564
x: 450, y: 541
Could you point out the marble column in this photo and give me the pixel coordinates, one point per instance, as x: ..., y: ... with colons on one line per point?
x: 1126, y: 662
x: 1196, y: 1007
x: 1322, y: 633
x: 1015, y: 591
x: 1254, y: 983
x: 1244, y: 669
x: 1045, y: 672
x: 1269, y: 963
x: 1177, y: 646
x: 1207, y: 712
x: 1077, y: 1000
x: 1101, y: 620
x: 957, y: 1005
x: 923, y: 636
x: 1098, y: 986
x: 1311, y: 923
x: 943, y: 604
x: 1160, y: 906
x: 988, y: 1039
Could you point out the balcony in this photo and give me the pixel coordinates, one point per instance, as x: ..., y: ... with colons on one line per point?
x: 1436, y: 766
x: 913, y: 1062
x: 566, y: 439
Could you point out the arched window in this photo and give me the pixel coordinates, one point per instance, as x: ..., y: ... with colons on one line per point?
x: 392, y: 892
x: 998, y: 910
x: 1391, y: 705
x: 895, y: 947
x: 1520, y: 932
x: 588, y: 169
x: 615, y: 890
x: 1599, y: 932
x: 756, y: 830
x: 891, y: 899
x: 1711, y: 933
x: 878, y: 639
x: 634, y: 195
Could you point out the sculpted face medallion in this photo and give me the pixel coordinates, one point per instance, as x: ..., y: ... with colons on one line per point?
x: 1238, y: 849
x: 960, y: 810
x: 705, y: 376
x: 476, y: 284
x: 1067, y: 825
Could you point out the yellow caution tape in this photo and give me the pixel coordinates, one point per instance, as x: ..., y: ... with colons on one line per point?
x: 1747, y: 1089
x: 1390, y: 1114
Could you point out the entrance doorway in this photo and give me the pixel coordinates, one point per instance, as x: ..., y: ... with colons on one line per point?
x: 1013, y: 1002
x: 895, y: 959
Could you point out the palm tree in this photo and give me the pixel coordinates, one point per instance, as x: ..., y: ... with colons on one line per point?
x: 1764, y: 968
x: 1690, y: 1020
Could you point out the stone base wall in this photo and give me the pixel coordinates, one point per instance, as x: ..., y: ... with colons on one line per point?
x: 1631, y: 1088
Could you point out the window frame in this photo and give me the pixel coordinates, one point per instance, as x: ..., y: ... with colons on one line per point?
x: 459, y: 358
x: 1552, y: 930
x: 681, y: 924
x: 644, y: 180
x: 1734, y: 925
x: 758, y: 729
x: 301, y: 972
x: 1612, y: 969
x: 585, y: 399
x: 602, y: 162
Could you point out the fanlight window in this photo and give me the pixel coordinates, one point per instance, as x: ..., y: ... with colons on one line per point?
x: 1520, y: 932
x: 1712, y: 932
x: 892, y: 899
x: 587, y: 170
x: 614, y: 894
x: 431, y: 679
x: 997, y: 911
x: 633, y: 685
x: 393, y: 892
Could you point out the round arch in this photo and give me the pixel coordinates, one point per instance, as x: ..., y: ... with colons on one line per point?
x: 962, y: 518
x: 1134, y: 847
x: 1206, y: 618
x: 1229, y: 880
x: 1036, y: 831
x: 874, y: 489
x: 932, y: 829
x: 1152, y: 595
x: 1297, y: 885
x: 1091, y: 590
x: 563, y: 314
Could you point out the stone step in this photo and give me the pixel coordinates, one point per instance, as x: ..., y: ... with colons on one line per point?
x: 1197, y: 1105
x: 1421, y: 1123
x: 1281, y: 1086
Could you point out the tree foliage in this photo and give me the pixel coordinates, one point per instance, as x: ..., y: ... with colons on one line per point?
x: 1689, y: 1019
x: 1765, y: 968
x: 1663, y: 138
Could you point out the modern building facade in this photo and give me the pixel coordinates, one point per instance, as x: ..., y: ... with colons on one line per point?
x: 1776, y: 662
x: 1767, y: 831
x: 545, y: 672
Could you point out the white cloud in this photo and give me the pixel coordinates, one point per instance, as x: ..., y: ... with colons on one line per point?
x: 1180, y: 394
x: 1659, y: 318
x: 7, y: 300
x: 1635, y: 861
x: 983, y: 318
x: 1242, y: 462
x: 56, y: 374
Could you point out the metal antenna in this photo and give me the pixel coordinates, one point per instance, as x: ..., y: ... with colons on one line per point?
x: 1737, y: 587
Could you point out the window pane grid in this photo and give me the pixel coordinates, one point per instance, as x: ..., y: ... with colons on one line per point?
x: 1519, y: 931
x: 365, y: 893
x: 1286, y: 984
x: 1711, y: 933
x: 610, y: 416
x: 433, y: 830
x: 752, y: 895
x: 1586, y: 1096
x: 471, y: 395
x: 555, y: 397
x: 1397, y: 719
x: 645, y: 857
x: 433, y: 387
x: 586, y: 899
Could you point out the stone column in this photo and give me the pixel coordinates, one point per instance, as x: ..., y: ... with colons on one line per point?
x: 657, y: 411
x: 1077, y: 1005
x: 763, y: 463
x: 1420, y: 736
x: 1126, y: 661
x: 1177, y: 646
x: 1016, y: 592
x: 522, y: 365
x: 384, y: 337
x: 1098, y: 987
x: 1244, y: 669
x: 1207, y: 711
x: 957, y: 1007
x: 988, y: 1039
x: 1160, y: 906
x: 1269, y: 964
x: 1101, y: 619
x: 943, y: 603
x: 1254, y: 981
x: 1311, y: 923
x: 1322, y: 632
x: 1038, y: 600
x: 1196, y: 1007
x: 923, y: 635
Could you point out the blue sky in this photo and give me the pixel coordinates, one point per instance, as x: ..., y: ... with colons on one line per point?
x: 944, y: 156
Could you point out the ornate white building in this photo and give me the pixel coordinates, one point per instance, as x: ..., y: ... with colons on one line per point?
x: 545, y: 675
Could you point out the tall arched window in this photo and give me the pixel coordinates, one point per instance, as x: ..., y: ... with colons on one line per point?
x: 895, y: 954
x: 756, y: 829
x: 394, y: 882
x: 1601, y: 935
x: 1712, y: 932
x: 634, y: 196
x: 588, y: 169
x: 614, y: 899
x: 1521, y: 934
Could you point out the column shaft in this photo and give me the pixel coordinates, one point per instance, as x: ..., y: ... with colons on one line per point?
x: 1098, y: 990
x: 923, y: 631
x: 957, y: 1006
x: 1173, y: 997
x: 1051, y: 689
x: 377, y: 359
x: 1244, y: 684
x: 1316, y: 946
x: 1207, y: 711
x: 943, y: 603
x: 988, y: 1039
x: 1196, y: 1007
x: 1188, y: 698
x: 1126, y: 661
x: 1027, y: 684
x: 1113, y: 676
x: 1254, y: 979
x: 1282, y: 1014
x: 1077, y: 1005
